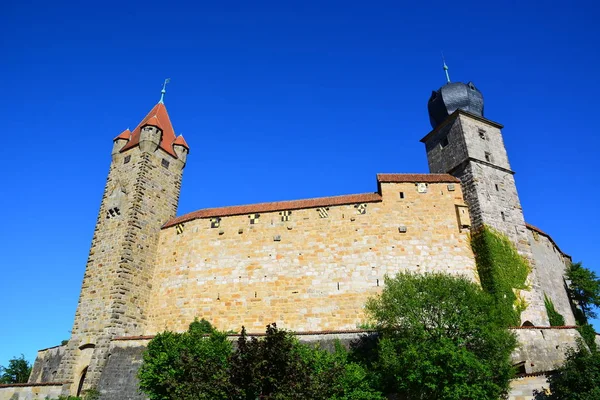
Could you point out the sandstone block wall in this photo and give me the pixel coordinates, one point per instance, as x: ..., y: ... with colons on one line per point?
x: 526, y: 387
x: 308, y: 273
x: 543, y: 349
x: 30, y: 391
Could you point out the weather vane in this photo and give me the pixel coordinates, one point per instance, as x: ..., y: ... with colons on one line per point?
x: 446, y: 68
x: 164, y: 90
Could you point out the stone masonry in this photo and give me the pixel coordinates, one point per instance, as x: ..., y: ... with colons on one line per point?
x: 471, y: 148
x: 312, y: 269
x: 141, y: 193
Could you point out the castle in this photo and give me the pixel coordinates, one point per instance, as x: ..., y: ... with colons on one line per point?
x: 308, y: 265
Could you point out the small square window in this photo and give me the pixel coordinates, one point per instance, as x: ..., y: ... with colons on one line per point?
x: 488, y: 157
x: 165, y: 163
x: 126, y: 159
x: 482, y: 134
x: 444, y: 142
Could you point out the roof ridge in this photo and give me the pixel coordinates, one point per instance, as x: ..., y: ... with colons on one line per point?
x: 276, y: 206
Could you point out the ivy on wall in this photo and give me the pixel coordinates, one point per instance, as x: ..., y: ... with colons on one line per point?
x: 503, y: 273
x: 556, y: 318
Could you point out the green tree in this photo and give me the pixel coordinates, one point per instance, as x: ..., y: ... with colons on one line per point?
x: 199, y: 364
x: 584, y: 288
x: 279, y: 367
x: 18, y: 371
x: 187, y: 366
x: 437, y: 340
x: 578, y: 378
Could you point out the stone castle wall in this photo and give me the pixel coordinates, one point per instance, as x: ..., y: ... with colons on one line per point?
x: 46, y: 365
x: 551, y: 267
x: 309, y: 273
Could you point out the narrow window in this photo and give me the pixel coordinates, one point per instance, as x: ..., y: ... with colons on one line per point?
x: 444, y: 142
x: 126, y: 159
x: 401, y: 195
x: 488, y: 157
x: 497, y: 188
x: 503, y: 216
x: 482, y: 134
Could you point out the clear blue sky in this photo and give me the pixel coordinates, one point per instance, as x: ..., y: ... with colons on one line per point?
x: 277, y: 101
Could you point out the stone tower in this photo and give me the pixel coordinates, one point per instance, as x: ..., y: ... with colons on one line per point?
x: 141, y: 194
x: 465, y: 144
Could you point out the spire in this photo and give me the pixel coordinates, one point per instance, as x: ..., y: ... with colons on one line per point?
x: 163, y: 91
x: 446, y: 69
x: 159, y: 118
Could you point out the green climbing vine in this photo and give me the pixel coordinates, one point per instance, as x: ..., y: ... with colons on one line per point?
x: 556, y: 318
x: 503, y: 273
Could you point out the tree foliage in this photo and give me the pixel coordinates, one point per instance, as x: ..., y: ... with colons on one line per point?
x: 438, y: 340
x: 584, y: 288
x: 578, y: 378
x: 502, y: 271
x: 186, y: 366
x: 194, y: 365
x: 18, y: 371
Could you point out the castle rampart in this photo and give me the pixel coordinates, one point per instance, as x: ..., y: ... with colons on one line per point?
x: 307, y: 264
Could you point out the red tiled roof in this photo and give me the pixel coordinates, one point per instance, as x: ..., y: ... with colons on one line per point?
x: 181, y: 141
x: 541, y: 232
x: 158, y: 117
x: 126, y: 134
x: 276, y: 206
x: 312, y: 203
x: 427, y: 178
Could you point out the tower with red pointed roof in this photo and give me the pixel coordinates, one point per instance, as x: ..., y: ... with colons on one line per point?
x: 141, y: 194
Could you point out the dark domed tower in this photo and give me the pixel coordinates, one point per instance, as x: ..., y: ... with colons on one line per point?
x: 465, y: 144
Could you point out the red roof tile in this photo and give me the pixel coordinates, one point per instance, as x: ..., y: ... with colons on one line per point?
x: 126, y: 134
x: 276, y: 206
x: 158, y: 117
x: 181, y: 141
x: 428, y: 178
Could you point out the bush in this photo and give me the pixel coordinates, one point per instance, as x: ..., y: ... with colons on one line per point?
x: 189, y: 365
x: 437, y: 340
x: 194, y: 365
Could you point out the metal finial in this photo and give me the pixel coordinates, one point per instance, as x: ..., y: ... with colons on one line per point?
x: 163, y: 91
x: 446, y: 69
